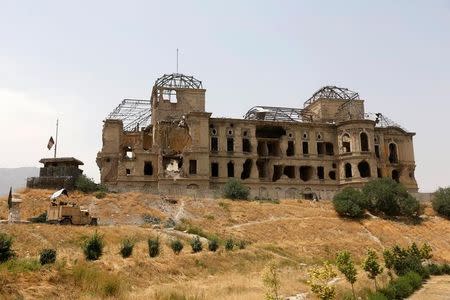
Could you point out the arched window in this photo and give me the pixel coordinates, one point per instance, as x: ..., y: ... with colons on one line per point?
x: 364, y: 141
x: 346, y: 145
x: 393, y: 155
x: 364, y: 169
x: 348, y: 170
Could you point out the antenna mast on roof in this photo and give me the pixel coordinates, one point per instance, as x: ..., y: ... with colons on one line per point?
x: 177, y: 60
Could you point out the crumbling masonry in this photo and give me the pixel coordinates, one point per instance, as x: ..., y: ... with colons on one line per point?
x: 169, y: 144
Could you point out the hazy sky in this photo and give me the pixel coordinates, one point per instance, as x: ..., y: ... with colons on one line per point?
x: 77, y: 60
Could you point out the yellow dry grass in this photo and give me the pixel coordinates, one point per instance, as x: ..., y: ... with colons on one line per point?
x: 295, y: 234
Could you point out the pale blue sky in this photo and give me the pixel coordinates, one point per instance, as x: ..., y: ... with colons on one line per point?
x: 77, y: 60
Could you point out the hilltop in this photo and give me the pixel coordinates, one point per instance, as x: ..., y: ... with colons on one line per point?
x: 296, y: 234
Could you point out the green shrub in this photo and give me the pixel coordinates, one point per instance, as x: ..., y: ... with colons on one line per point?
x: 86, y: 184
x: 176, y: 246
x: 234, y: 189
x: 435, y: 269
x: 196, y: 245
x: 126, y: 248
x: 213, y: 244
x: 229, y: 244
x: 153, y: 247
x: 47, y: 256
x: 386, y: 196
x: 402, y: 287
x: 414, y: 279
x: 446, y: 269
x: 441, y: 202
x: 93, y: 247
x: 376, y: 296
x: 42, y: 218
x: 349, y: 203
x: 5, y: 247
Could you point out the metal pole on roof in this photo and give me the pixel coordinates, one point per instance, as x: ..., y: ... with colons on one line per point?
x: 177, y: 60
x: 56, y: 141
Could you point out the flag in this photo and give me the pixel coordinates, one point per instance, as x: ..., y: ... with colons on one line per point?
x: 50, y: 144
x: 10, y: 198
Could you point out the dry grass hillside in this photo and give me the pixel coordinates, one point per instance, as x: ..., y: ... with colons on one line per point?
x: 295, y: 234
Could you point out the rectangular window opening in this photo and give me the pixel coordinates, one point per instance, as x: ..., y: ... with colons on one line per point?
x: 320, y: 173
x: 230, y: 144
x: 148, y: 168
x: 192, y: 166
x: 214, y: 169
x: 214, y: 144
x: 305, y: 147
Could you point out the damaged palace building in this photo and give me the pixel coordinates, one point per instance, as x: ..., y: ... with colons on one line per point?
x: 169, y: 144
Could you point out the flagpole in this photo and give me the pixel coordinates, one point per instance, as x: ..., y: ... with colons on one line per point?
x: 56, y: 141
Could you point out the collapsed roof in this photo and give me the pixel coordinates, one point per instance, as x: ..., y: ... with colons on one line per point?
x: 134, y: 113
x: 270, y: 113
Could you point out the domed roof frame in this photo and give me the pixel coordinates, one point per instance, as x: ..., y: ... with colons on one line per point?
x: 332, y: 92
x: 177, y: 80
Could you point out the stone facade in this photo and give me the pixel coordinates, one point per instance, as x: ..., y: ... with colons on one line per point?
x: 277, y: 152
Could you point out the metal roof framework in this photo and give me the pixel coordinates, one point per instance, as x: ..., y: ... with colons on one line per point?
x: 134, y: 113
x: 271, y: 113
x: 177, y: 80
x: 332, y: 92
x: 382, y: 121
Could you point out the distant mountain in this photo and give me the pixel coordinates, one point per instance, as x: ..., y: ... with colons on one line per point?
x: 15, y: 177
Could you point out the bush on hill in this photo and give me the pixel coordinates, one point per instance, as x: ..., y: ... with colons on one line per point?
x: 5, y: 247
x: 386, y: 196
x: 93, y: 247
x: 234, y: 189
x: 441, y: 202
x: 349, y: 203
x: 87, y: 185
x: 47, y: 256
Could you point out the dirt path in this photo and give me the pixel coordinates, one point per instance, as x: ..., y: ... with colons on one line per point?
x: 274, y: 219
x: 436, y: 288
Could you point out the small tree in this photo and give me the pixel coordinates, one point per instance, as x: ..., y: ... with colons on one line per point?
x: 349, y: 203
x: 346, y: 266
x: 47, y: 256
x: 371, y: 266
x: 153, y: 247
x: 271, y: 281
x: 319, y: 280
x: 93, y: 247
x: 126, y: 248
x: 176, y: 246
x: 426, y: 252
x: 234, y: 189
x: 441, y: 202
x: 213, y: 244
x: 196, y: 245
x: 5, y: 247
x: 229, y: 244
